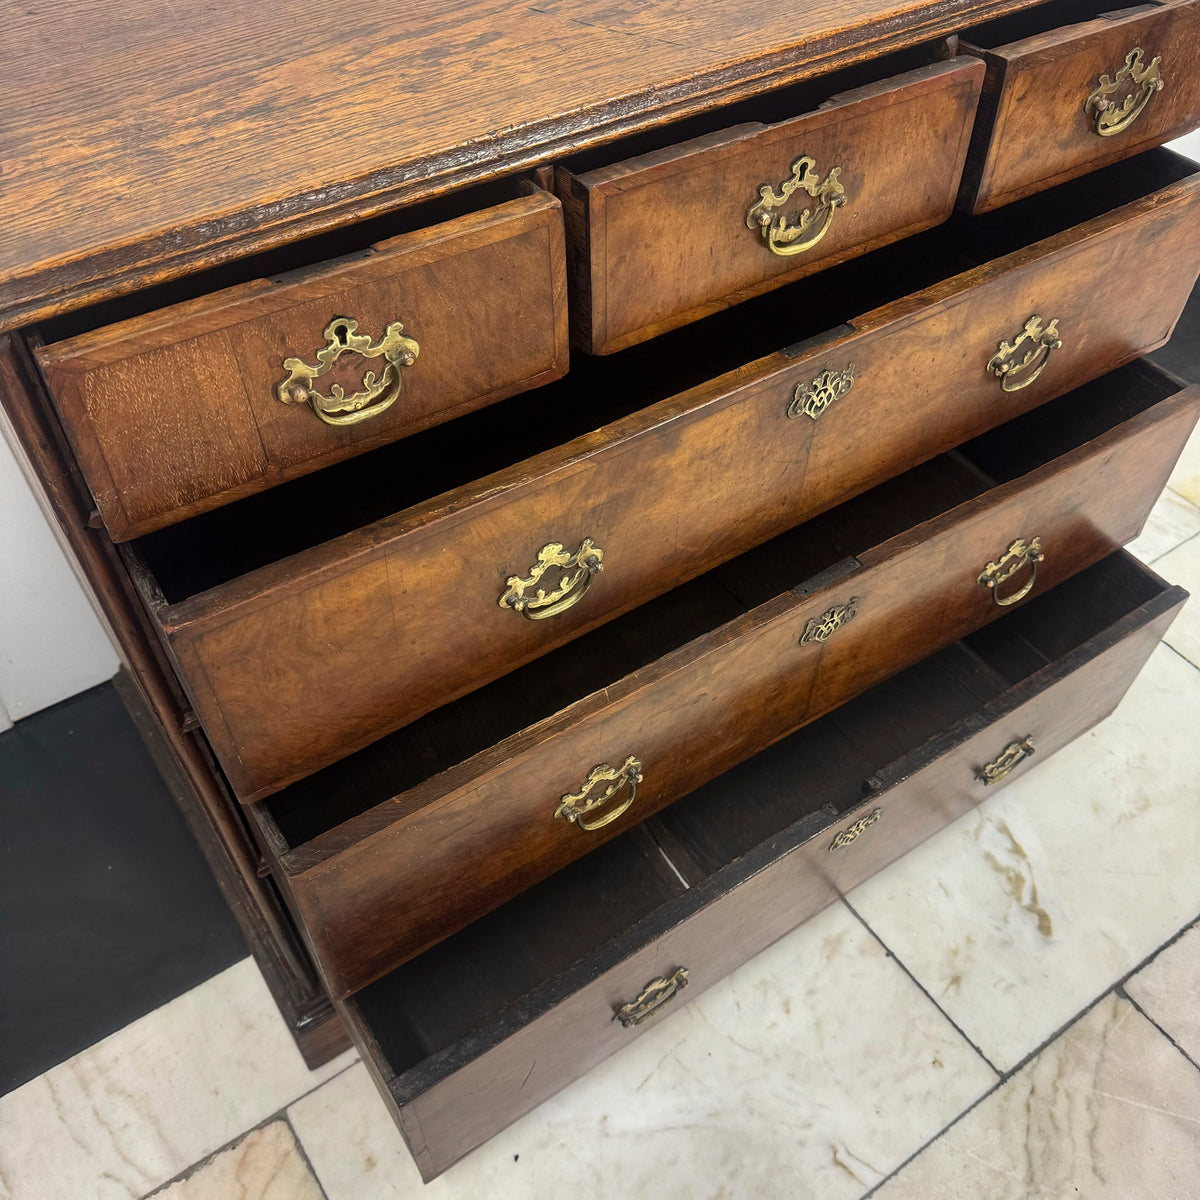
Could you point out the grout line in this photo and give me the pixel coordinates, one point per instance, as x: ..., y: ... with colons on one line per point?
x: 1117, y: 988
x: 920, y: 987
x: 1180, y: 654
x: 303, y: 1152
x: 1120, y: 991
x: 280, y: 1114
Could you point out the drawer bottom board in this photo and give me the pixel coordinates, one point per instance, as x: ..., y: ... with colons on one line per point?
x: 482, y: 1028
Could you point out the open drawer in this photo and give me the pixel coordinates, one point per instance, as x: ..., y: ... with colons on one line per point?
x: 485, y: 1026
x: 311, y: 620
x: 1071, y: 87
x: 398, y: 847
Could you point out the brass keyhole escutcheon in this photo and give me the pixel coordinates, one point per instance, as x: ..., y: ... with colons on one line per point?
x: 813, y: 398
x: 852, y: 833
x: 522, y: 594
x: 1005, y: 761
x: 1016, y: 369
x: 602, y: 785
x: 1139, y: 80
x: 1020, y: 554
x: 380, y: 390
x: 655, y: 995
x: 784, y: 237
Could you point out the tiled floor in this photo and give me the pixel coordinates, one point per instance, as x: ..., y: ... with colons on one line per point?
x: 1009, y: 1011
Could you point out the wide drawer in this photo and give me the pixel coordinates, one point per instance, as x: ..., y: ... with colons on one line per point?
x: 627, y: 733
x: 664, y: 238
x: 191, y: 406
x: 295, y: 662
x: 484, y: 1027
x: 1068, y: 91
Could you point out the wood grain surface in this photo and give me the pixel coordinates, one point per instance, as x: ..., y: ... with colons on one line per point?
x: 1033, y: 131
x: 176, y: 412
x: 141, y: 140
x: 300, y: 663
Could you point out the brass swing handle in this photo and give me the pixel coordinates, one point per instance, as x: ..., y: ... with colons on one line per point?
x: 1142, y: 82
x: 1005, y: 761
x: 655, y: 995
x: 575, y: 806
x: 781, y: 236
x: 1020, y: 554
x: 379, y: 391
x: 522, y: 594
x: 1017, y: 370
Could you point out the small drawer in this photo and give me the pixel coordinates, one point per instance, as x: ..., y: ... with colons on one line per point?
x: 415, y: 575
x: 484, y: 1027
x: 1070, y: 88
x: 652, y: 706
x: 673, y: 235
x: 191, y: 406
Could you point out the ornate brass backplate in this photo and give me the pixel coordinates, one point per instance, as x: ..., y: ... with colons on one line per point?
x: 1005, y: 761
x: 378, y: 393
x: 812, y: 399
x: 822, y: 628
x: 853, y: 832
x: 656, y: 994
x: 1016, y: 372
x: 578, y: 571
x: 610, y: 780
x: 1139, y: 81
x: 1020, y: 554
x: 781, y: 236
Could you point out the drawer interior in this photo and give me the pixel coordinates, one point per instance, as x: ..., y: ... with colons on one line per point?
x: 217, y: 547
x: 1043, y: 18
x: 481, y: 719
x: 462, y: 996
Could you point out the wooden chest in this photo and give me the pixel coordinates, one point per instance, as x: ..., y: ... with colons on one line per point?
x: 554, y: 462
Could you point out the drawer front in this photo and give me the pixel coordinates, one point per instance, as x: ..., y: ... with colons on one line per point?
x: 1063, y: 103
x: 668, y: 237
x: 480, y: 833
x: 299, y: 664
x: 464, y: 1095
x: 181, y: 411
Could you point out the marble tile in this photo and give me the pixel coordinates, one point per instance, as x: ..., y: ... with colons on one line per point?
x: 1172, y: 520
x: 136, y: 1109
x: 265, y: 1165
x: 1108, y: 1111
x: 1020, y: 914
x: 1168, y: 990
x: 1182, y: 566
x: 1185, y: 478
x: 818, y: 1067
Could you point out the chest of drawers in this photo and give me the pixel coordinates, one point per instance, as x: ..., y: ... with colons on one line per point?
x: 573, y: 500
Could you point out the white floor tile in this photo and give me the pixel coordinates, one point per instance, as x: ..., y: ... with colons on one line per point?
x: 1172, y: 520
x: 813, y: 1071
x: 1023, y: 912
x: 136, y: 1109
x: 1168, y: 989
x: 264, y: 1165
x: 1109, y: 1111
x: 1182, y: 566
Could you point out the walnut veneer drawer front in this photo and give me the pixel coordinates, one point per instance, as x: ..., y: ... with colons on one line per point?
x: 1063, y: 101
x: 670, y: 236
x: 1073, y: 481
x: 190, y: 407
x: 296, y: 664
x: 484, y: 1027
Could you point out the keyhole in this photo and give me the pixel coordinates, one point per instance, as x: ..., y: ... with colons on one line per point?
x: 340, y: 334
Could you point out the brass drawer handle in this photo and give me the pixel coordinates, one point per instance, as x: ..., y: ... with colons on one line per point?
x: 578, y: 571
x: 853, y: 832
x: 812, y: 399
x: 378, y: 393
x: 782, y: 237
x: 1142, y: 83
x: 1017, y: 373
x: 1020, y: 554
x: 655, y: 995
x: 575, y: 806
x: 822, y: 628
x: 1005, y: 761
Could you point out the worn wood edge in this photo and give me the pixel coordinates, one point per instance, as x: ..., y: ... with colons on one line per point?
x: 190, y: 773
x: 1052, y: 44
x: 66, y: 284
